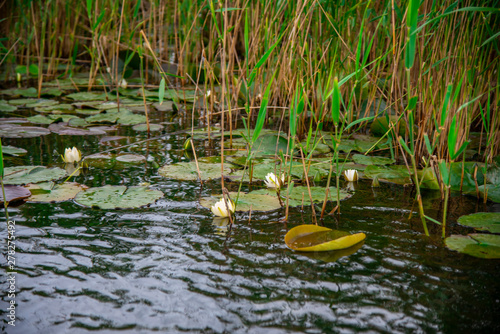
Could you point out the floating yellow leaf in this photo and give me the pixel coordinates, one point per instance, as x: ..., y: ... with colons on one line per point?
x: 314, y: 238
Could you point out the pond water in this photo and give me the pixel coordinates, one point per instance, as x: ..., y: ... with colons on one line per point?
x: 169, y: 268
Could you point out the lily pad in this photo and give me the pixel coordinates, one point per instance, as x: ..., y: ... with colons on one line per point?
x: 18, y: 131
x: 396, y: 174
x: 5, y: 107
x: 317, y: 194
x: 131, y: 158
x: 129, y: 118
x: 483, y: 221
x: 55, y: 109
x: 493, y: 192
x: 187, y: 171
x: 269, y: 145
x: 372, y: 160
x: 64, y: 129
x: 246, y: 202
x: 32, y: 174
x: 14, y: 151
x: 118, y: 197
x: 50, y: 192
x: 87, y: 96
x: 101, y: 161
x: 485, y: 246
x: 49, y: 119
x: 314, y: 238
x: 41, y: 103
x: 144, y: 127
x: 14, y: 193
x: 103, y: 118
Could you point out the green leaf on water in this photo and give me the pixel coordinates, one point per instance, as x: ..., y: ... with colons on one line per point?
x: 5, y: 107
x: 485, y: 246
x: 14, y: 193
x: 14, y: 151
x: 117, y: 197
x: 483, y: 221
x: 19, y: 131
x: 372, y: 160
x: 253, y: 200
x: 32, y: 174
x: 50, y: 192
x: 187, y: 171
x: 314, y: 238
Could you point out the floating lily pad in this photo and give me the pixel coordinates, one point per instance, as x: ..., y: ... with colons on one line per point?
x: 131, y: 158
x: 187, y: 171
x: 118, y: 197
x: 51, y: 192
x: 64, y: 129
x: 5, y: 107
x: 253, y: 201
x: 165, y: 106
x: 20, y: 102
x: 14, y: 193
x: 485, y: 246
x: 380, y: 126
x: 88, y: 111
x: 103, y: 118
x: 18, y: 131
x: 269, y: 145
x: 55, y: 109
x: 49, y: 119
x: 372, y: 160
x: 144, y: 127
x: 41, y: 103
x: 483, y: 221
x: 87, y: 96
x: 14, y: 151
x: 24, y: 92
x: 493, y: 192
x: 78, y: 122
x: 129, y: 118
x: 32, y: 174
x: 317, y: 193
x: 314, y: 238
x: 396, y: 174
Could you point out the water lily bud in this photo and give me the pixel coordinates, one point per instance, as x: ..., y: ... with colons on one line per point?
x: 375, y: 182
x: 351, y: 175
x: 219, y: 209
x: 123, y: 83
x: 207, y: 95
x: 72, y: 155
x: 19, y: 77
x: 272, y: 181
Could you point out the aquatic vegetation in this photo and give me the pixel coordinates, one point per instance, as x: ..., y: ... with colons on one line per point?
x: 71, y: 155
x: 223, y: 208
x: 351, y: 175
x: 314, y: 238
x: 272, y: 181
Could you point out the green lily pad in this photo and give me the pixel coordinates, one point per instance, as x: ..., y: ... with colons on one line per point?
x: 14, y: 151
x: 50, y: 192
x: 63, y: 129
x: 493, y: 191
x: 314, y: 238
x: 144, y: 127
x: 103, y: 118
x: 365, y: 142
x: 78, y: 122
x: 129, y: 118
x: 118, y: 197
x: 396, y: 174
x: 253, y: 201
x: 55, y: 109
x: 49, y: 119
x: 380, y: 126
x: 372, y: 160
x: 32, y: 174
x: 88, y: 112
x: 483, y: 221
x: 485, y: 246
x: 187, y: 171
x: 20, y: 102
x: 5, y: 107
x: 41, y: 103
x: 14, y: 193
x: 317, y: 193
x: 24, y: 92
x: 87, y: 96
x: 19, y: 131
x: 131, y: 158
x: 269, y: 145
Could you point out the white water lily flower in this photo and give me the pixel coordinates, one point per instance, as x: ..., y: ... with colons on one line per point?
x: 351, y: 175
x: 219, y: 208
x: 272, y: 180
x: 123, y: 83
x: 208, y: 93
x: 72, y: 155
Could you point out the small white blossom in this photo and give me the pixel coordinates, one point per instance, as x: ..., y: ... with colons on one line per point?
x: 272, y: 181
x: 72, y: 155
x: 219, y: 208
x: 351, y: 175
x: 123, y: 83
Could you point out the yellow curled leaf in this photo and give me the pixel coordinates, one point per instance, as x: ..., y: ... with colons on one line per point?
x: 313, y: 238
